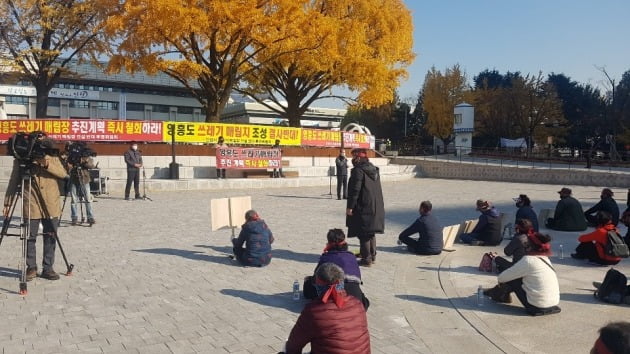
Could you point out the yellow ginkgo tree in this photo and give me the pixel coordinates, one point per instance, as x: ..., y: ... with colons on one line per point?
x: 40, y: 38
x: 362, y: 45
x: 206, y: 45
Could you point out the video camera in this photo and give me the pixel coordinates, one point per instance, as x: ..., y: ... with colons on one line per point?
x: 27, y: 147
x: 78, y: 150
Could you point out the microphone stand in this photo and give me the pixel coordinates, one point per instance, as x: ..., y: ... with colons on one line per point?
x: 144, y: 185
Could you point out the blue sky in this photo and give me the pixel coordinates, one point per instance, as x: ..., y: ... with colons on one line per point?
x: 560, y: 36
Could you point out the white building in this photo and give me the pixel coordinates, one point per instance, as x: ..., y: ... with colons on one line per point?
x: 93, y: 94
x: 463, y: 127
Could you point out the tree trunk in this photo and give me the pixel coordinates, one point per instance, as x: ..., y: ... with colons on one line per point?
x: 41, y: 108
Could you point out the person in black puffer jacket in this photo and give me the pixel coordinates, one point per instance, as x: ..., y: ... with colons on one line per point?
x: 487, y: 232
x: 257, y: 237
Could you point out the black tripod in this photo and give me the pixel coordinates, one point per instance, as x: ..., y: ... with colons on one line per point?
x: 144, y: 185
x: 28, y: 184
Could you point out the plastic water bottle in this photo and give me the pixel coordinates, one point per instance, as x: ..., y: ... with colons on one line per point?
x: 296, y: 290
x: 561, y: 251
x: 480, y: 296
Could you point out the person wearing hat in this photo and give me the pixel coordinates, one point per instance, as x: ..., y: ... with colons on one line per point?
x: 133, y: 159
x: 568, y: 215
x: 607, y: 204
x: 525, y: 211
x: 487, y: 232
x: 333, y: 322
x: 365, y: 211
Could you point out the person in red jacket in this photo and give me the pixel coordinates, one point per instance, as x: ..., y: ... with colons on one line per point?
x: 334, y: 322
x: 592, y: 245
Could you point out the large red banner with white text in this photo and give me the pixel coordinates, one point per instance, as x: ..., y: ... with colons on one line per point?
x: 85, y: 129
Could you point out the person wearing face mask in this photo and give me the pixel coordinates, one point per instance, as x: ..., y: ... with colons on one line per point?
x: 365, y: 211
x: 133, y: 159
x: 568, y: 215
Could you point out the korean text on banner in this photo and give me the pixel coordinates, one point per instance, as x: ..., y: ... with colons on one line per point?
x: 232, y: 133
x: 248, y: 158
x: 85, y: 129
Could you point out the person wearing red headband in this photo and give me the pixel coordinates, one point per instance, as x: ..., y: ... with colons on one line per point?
x: 334, y: 322
x: 614, y: 338
x: 533, y: 279
x: 257, y: 237
x: 365, y: 211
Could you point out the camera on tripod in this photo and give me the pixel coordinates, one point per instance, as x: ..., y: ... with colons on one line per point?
x: 27, y: 147
x: 77, y: 151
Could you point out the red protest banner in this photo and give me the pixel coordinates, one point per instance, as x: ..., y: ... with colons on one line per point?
x: 330, y: 138
x: 243, y: 158
x: 85, y: 129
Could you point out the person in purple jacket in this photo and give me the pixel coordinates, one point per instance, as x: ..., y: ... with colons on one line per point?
x: 336, y: 251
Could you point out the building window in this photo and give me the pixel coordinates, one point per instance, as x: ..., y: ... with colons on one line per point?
x: 53, y: 102
x: 458, y: 119
x: 160, y: 108
x: 16, y: 100
x: 112, y: 106
x: 139, y: 107
x: 79, y: 104
x: 185, y: 110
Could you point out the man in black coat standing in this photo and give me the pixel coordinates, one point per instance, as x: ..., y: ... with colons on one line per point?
x: 365, y: 211
x: 133, y: 159
x: 342, y: 174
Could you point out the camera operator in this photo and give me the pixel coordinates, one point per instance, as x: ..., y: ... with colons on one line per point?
x: 78, y: 162
x: 41, y: 200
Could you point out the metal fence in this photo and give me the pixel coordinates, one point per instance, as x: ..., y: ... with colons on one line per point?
x: 560, y: 158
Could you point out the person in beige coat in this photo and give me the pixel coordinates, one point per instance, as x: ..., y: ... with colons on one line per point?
x: 41, y: 204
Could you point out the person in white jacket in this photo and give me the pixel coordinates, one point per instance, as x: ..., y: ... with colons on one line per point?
x: 533, y: 279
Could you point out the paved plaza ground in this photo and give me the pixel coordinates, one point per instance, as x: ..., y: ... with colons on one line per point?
x: 151, y: 277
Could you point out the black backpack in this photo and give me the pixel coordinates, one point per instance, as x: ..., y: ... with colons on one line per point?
x: 616, y: 246
x: 613, y: 288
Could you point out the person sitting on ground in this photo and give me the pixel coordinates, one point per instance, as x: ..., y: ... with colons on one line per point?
x: 525, y: 210
x: 532, y: 279
x: 257, y: 237
x: 608, y: 204
x: 488, y: 229
x: 336, y: 251
x: 614, y: 338
x: 593, y: 245
x: 568, y: 215
x: 625, y: 219
x: 517, y: 246
x: 430, y: 240
x: 334, y: 323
